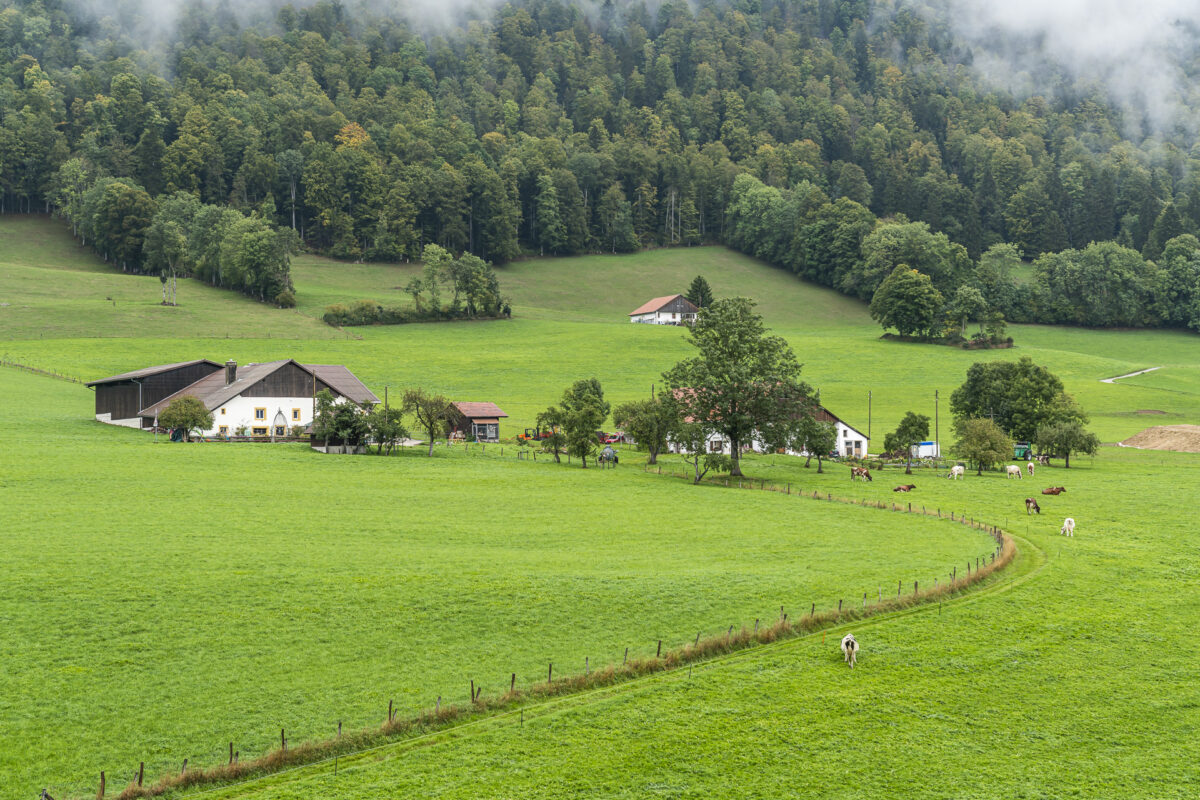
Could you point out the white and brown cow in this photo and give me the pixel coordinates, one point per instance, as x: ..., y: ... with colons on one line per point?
x: 850, y: 649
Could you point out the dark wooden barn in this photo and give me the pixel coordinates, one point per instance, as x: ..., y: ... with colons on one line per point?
x: 119, y: 398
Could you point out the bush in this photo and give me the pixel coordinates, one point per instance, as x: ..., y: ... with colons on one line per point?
x: 286, y: 299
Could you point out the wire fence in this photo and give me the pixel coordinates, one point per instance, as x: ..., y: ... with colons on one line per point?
x: 6, y: 362
x: 509, y: 697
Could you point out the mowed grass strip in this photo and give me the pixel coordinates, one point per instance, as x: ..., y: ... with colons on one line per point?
x: 1078, y: 681
x: 163, y: 600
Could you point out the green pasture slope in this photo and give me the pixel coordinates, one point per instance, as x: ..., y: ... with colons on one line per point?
x: 162, y: 600
x: 159, y: 601
x: 569, y: 321
x: 1074, y: 677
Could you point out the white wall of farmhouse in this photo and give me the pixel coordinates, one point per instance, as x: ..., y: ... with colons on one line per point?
x: 243, y: 411
x: 849, y: 443
x: 132, y: 422
x: 662, y: 318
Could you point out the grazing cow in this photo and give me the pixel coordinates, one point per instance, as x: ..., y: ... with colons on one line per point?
x: 850, y: 649
x: 1031, y: 506
x: 1044, y: 460
x: 1054, y: 490
x: 957, y: 472
x: 1029, y: 467
x: 1014, y: 471
x: 860, y: 473
x: 1068, y: 528
x: 908, y: 487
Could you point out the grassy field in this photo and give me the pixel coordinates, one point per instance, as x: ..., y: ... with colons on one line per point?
x: 162, y: 600
x: 1075, y: 678
x: 185, y: 596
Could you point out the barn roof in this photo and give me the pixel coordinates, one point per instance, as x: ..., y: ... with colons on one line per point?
x: 344, y: 381
x: 825, y: 415
x: 146, y: 372
x: 214, y: 392
x: 489, y: 411
x: 658, y: 302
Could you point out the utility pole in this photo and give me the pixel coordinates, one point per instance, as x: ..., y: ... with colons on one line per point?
x: 868, y: 415
x: 937, y: 436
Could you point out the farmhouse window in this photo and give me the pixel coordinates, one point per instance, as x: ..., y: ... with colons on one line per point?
x: 224, y: 429
x: 296, y: 414
x: 222, y: 412
x: 260, y: 413
x: 279, y: 430
x: 259, y: 431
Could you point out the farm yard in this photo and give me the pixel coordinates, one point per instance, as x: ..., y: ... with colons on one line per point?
x: 162, y: 600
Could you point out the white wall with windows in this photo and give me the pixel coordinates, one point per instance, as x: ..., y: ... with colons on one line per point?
x: 258, y: 415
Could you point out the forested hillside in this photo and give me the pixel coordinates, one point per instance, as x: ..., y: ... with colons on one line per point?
x: 550, y: 128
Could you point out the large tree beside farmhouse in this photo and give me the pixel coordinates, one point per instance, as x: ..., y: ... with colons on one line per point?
x: 742, y: 380
x: 186, y: 412
x: 576, y: 419
x: 649, y: 422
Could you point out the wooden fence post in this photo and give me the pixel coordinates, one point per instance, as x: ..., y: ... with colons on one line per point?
x: 659, y: 653
x: 839, y: 606
x: 512, y: 686
x: 472, y: 700
x: 100, y: 794
x: 183, y: 771
x: 899, y: 586
x: 626, y: 658
x: 389, y: 710
x: 142, y: 772
x: 283, y: 740
x: 550, y: 674
x: 812, y: 611
x: 914, y: 588
x: 231, y: 752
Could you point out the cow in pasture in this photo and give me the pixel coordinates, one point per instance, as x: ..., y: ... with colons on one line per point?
x: 850, y: 649
x: 1068, y: 528
x: 1031, y: 506
x: 908, y: 487
x: 957, y: 472
x: 860, y: 474
x: 1014, y: 471
x: 1054, y: 490
x: 1029, y: 467
x: 1044, y: 460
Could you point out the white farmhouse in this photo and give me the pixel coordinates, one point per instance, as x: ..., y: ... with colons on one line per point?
x: 674, y: 309
x: 263, y: 399
x: 851, y: 443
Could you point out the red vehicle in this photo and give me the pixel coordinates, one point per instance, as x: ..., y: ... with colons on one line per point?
x: 614, y: 438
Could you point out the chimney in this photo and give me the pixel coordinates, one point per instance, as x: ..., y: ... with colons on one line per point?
x: 230, y: 371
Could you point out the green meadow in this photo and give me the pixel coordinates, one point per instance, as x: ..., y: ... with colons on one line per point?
x: 163, y: 600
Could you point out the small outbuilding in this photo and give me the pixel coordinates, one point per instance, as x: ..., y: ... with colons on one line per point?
x: 479, y: 422
x: 673, y: 309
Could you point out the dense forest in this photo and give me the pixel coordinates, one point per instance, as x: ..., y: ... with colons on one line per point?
x: 835, y: 138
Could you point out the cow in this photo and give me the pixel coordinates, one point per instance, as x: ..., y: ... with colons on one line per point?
x: 1029, y: 467
x: 1054, y: 490
x: 957, y: 472
x: 1031, y: 506
x: 1044, y: 460
x: 850, y: 649
x: 1014, y: 471
x: 860, y: 473
x: 1068, y: 528
x: 908, y: 487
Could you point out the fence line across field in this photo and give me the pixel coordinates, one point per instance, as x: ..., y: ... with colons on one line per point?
x: 591, y: 678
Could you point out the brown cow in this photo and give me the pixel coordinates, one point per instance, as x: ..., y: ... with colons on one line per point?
x: 908, y: 487
x: 857, y: 473
x: 1031, y: 506
x: 1055, y: 490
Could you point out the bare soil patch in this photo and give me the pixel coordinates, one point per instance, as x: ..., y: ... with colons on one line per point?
x: 1181, y: 438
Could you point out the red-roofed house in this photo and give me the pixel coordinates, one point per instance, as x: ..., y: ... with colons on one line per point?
x: 673, y: 309
x: 479, y: 422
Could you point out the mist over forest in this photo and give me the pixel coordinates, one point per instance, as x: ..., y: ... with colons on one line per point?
x: 838, y: 139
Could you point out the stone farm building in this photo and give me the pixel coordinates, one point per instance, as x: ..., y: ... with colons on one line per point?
x: 479, y: 422
x: 266, y: 399
x: 674, y: 309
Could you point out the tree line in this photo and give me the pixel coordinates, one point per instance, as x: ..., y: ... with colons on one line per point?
x: 541, y: 129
